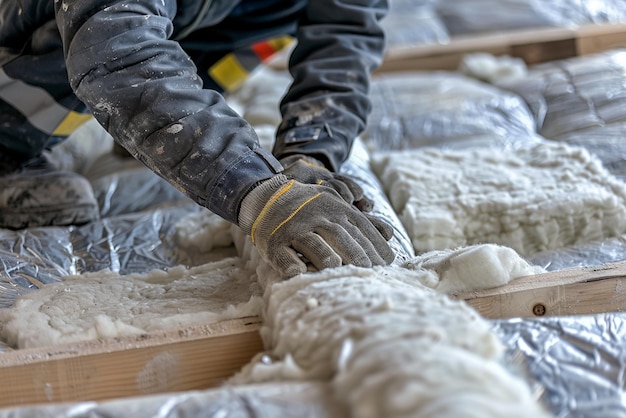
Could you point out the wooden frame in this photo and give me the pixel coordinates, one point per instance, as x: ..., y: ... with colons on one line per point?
x: 198, y: 357
x: 578, y: 291
x: 533, y: 46
x: 203, y: 357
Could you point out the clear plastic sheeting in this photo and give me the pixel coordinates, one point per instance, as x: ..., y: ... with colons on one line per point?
x: 575, y: 94
x: 593, y: 253
x: 115, y: 179
x: 284, y: 400
x: 580, y: 101
x: 607, y: 143
x: 130, y: 243
x: 483, y: 16
x: 443, y: 109
x: 358, y: 166
x: 577, y: 363
x: 413, y: 22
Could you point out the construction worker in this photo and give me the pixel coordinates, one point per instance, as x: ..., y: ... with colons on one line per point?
x: 154, y: 73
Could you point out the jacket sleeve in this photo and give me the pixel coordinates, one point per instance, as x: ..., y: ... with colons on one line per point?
x: 340, y: 42
x: 144, y: 90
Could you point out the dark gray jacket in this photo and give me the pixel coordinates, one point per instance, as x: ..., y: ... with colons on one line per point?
x: 124, y: 64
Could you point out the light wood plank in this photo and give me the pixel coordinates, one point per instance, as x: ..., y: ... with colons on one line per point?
x: 597, y: 38
x: 578, y: 291
x: 190, y: 358
x: 534, y: 46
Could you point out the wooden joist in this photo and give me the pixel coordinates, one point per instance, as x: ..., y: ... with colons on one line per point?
x: 532, y: 45
x: 204, y: 357
x: 577, y: 291
x: 198, y: 357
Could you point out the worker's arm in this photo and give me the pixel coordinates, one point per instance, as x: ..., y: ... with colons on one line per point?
x: 340, y: 42
x: 144, y: 89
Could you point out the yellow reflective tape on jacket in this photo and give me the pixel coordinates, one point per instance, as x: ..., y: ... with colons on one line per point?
x: 71, y: 122
x: 39, y: 107
x: 280, y: 43
x: 228, y: 72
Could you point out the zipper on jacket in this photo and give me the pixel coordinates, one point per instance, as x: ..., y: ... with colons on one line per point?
x: 193, y: 25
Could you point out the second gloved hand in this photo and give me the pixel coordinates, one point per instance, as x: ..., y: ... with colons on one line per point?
x: 308, y: 170
x: 285, y: 217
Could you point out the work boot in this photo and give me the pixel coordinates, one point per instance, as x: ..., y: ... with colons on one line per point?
x: 36, y: 194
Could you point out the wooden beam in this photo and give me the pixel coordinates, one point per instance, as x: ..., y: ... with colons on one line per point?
x: 198, y: 357
x: 576, y: 291
x: 592, y: 39
x: 203, y: 357
x: 532, y: 45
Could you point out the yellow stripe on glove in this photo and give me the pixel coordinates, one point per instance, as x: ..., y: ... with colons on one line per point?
x: 287, y: 219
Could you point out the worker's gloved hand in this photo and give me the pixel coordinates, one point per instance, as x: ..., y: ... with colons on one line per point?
x: 308, y: 170
x: 285, y: 217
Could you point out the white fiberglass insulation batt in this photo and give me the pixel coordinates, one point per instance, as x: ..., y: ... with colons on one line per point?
x: 390, y: 346
x: 535, y: 198
x: 106, y: 305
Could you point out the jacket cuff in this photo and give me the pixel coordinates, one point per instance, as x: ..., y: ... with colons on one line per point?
x: 317, y: 141
x: 226, y: 193
x: 255, y: 201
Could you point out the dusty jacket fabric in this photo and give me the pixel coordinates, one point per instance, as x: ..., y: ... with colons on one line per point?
x: 124, y: 62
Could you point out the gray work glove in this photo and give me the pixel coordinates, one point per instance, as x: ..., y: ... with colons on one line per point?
x: 311, y: 171
x: 284, y: 217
